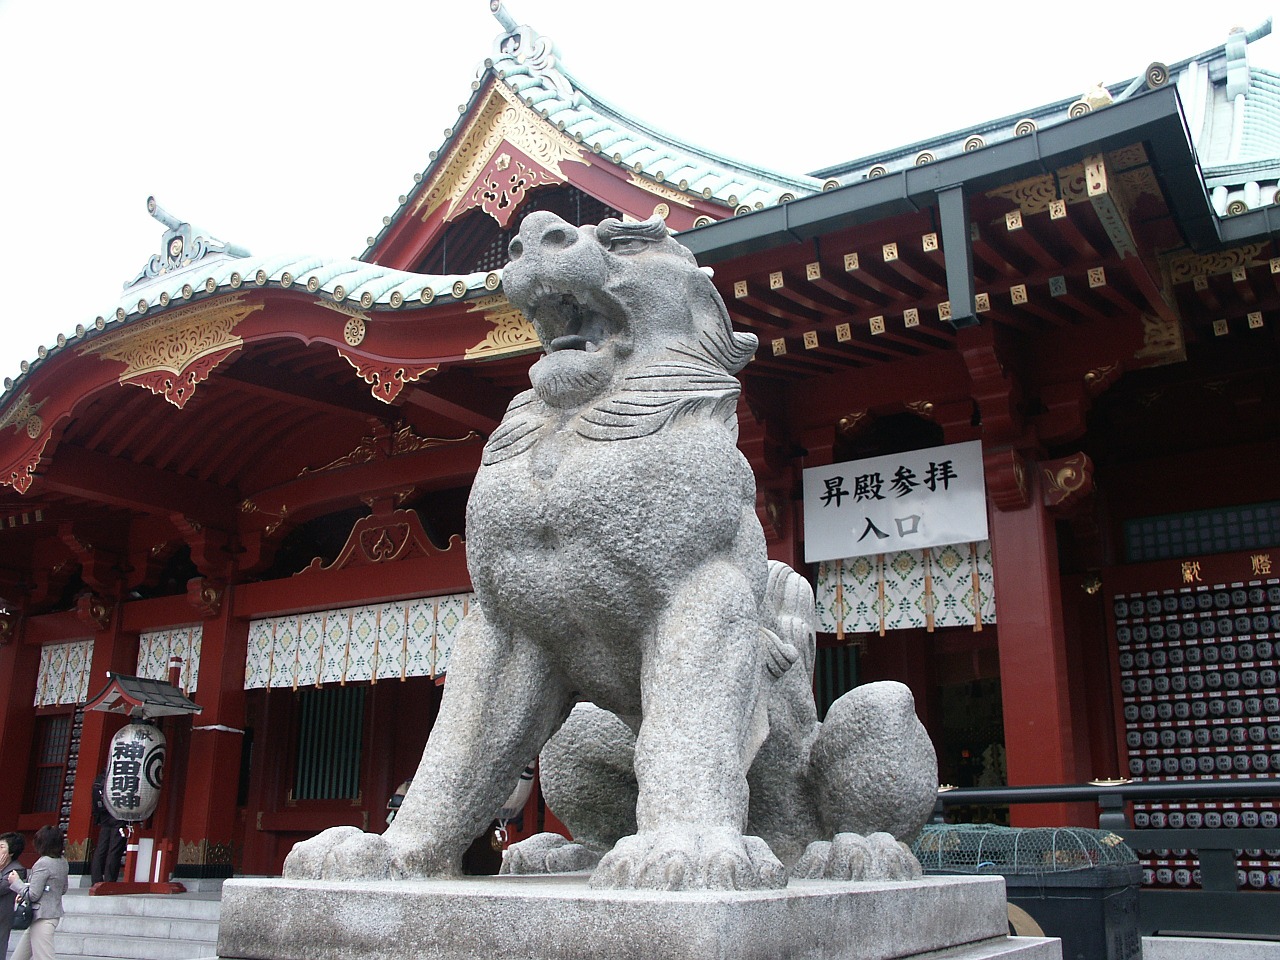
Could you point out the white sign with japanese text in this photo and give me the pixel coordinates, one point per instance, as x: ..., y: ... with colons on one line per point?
x: 905, y: 501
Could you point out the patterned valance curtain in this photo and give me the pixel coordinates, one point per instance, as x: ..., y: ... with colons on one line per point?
x: 949, y: 586
x: 64, y: 673
x: 155, y: 649
x: 384, y: 641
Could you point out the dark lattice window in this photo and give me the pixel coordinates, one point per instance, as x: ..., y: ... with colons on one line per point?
x: 50, y: 748
x: 475, y: 243
x: 330, y: 732
x: 1220, y: 530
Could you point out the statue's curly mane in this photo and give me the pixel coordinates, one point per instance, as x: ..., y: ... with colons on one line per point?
x: 692, y: 377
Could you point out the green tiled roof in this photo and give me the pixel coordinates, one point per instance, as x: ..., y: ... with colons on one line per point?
x: 216, y: 268
x: 529, y: 66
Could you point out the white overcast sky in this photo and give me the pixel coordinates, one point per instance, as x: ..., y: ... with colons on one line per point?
x: 291, y: 127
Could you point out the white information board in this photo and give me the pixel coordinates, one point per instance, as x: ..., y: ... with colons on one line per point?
x: 905, y: 501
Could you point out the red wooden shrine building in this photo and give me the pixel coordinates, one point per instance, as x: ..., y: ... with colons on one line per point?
x: 258, y: 465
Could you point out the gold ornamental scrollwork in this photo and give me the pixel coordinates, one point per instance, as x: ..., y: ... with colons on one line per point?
x: 501, y: 117
x: 660, y: 190
x: 1190, y: 266
x: 1035, y: 194
x: 171, y: 353
x: 22, y: 415
x: 387, y: 442
x: 1162, y: 341
x: 512, y: 334
x: 921, y: 408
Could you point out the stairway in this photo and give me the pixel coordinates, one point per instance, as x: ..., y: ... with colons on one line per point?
x: 154, y: 927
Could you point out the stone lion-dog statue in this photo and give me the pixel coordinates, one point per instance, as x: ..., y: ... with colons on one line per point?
x: 618, y: 561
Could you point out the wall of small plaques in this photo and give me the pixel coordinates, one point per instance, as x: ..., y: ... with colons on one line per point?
x: 1198, y: 679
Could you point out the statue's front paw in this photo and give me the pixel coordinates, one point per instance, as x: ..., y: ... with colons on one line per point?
x: 851, y: 856
x: 547, y: 853
x: 690, y: 859
x: 344, y: 853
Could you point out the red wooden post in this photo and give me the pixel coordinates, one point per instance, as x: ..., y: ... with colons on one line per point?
x: 208, y: 793
x: 1034, y: 684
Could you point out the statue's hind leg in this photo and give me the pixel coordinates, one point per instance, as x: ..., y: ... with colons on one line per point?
x: 502, y: 700
x: 704, y: 719
x: 587, y: 775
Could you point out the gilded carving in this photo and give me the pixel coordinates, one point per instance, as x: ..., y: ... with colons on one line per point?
x: 21, y: 414
x: 1099, y: 378
x: 1067, y: 480
x: 383, y: 443
x: 1134, y: 155
x: 380, y: 538
x: 502, y: 117
x: 385, y: 378
x: 504, y: 185
x: 1035, y: 194
x: 77, y: 851
x: 921, y: 408
x: 511, y: 333
x: 202, y: 852
x: 1141, y: 181
x: 170, y: 353
x: 1110, y: 204
x: 353, y: 331
x: 1162, y: 341
x: 659, y: 190
x: 1190, y: 266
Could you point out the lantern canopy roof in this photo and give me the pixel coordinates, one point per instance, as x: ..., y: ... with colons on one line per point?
x: 140, y: 697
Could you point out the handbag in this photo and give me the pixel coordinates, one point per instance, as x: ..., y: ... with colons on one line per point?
x: 23, y: 914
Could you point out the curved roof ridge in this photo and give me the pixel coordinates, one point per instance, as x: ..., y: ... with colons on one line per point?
x: 801, y: 181
x: 350, y: 283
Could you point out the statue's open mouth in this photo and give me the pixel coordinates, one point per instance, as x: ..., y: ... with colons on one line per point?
x: 567, y: 323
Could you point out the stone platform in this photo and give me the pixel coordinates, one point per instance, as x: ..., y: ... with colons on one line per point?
x: 561, y: 918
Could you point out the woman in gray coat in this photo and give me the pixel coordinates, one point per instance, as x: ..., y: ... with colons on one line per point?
x: 44, y: 889
x: 11, y: 847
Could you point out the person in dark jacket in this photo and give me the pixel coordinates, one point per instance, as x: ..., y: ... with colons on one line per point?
x: 11, y: 847
x: 44, y: 889
x: 111, y: 838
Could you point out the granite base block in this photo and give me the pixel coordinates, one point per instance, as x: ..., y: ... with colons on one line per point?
x: 561, y: 918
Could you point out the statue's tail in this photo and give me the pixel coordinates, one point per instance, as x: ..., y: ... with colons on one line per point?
x: 790, y: 621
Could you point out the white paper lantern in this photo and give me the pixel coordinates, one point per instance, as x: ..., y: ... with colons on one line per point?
x: 135, y: 770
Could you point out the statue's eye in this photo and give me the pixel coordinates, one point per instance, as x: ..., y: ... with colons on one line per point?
x: 627, y: 244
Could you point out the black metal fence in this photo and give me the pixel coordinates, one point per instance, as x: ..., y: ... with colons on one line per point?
x: 1219, y: 906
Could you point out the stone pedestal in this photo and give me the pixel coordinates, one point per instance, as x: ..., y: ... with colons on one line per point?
x: 561, y: 918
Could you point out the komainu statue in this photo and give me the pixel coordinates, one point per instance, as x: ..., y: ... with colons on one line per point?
x: 619, y: 566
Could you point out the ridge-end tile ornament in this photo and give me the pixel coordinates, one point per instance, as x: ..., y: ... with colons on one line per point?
x: 617, y: 558
x: 181, y: 246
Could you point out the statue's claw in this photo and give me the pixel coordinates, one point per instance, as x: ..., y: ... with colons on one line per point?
x: 851, y: 856
x: 547, y: 853
x: 345, y: 853
x: 690, y: 860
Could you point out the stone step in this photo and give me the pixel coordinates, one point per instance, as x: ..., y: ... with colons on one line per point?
x: 175, y: 907
x: 138, y: 925
x: 117, y: 947
x: 145, y: 927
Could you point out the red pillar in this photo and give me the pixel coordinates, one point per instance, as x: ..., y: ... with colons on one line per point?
x: 19, y: 668
x: 208, y: 818
x: 1035, y: 691
x: 117, y: 651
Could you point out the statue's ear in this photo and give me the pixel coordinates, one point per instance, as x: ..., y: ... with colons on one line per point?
x: 727, y: 347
